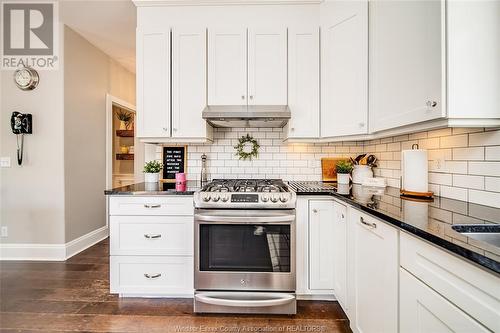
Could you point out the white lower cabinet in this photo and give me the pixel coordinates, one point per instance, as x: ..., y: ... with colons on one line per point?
x: 151, y: 246
x: 314, y: 247
x: 320, y: 245
x: 372, y: 274
x: 471, y: 289
x: 339, y: 241
x: 152, y: 275
x: 422, y: 310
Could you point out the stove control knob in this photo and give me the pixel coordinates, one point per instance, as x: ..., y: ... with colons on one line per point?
x: 224, y: 198
x: 264, y: 198
x: 274, y: 198
x: 206, y: 197
x: 215, y: 198
x: 283, y: 198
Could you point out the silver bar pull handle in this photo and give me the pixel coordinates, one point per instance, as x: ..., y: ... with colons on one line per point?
x: 370, y: 224
x: 152, y: 276
x: 149, y: 236
x: 152, y: 205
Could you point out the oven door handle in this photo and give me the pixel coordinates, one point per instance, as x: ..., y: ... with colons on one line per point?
x: 275, y: 299
x: 244, y: 219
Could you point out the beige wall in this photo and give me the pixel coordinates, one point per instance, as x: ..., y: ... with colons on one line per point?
x: 32, y: 196
x: 57, y: 195
x: 86, y: 84
x: 89, y: 75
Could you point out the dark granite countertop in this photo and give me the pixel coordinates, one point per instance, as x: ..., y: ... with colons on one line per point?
x: 431, y: 221
x: 153, y: 189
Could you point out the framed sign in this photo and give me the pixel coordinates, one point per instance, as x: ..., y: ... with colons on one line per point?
x: 174, y: 161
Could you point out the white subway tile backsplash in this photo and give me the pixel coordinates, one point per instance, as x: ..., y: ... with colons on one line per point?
x: 492, y: 153
x: 484, y: 168
x: 454, y: 141
x: 491, y: 138
x: 485, y: 198
x: 471, y: 155
x: 474, y: 182
x: 492, y: 184
x: 440, y: 178
x: 468, y: 154
x: 454, y: 193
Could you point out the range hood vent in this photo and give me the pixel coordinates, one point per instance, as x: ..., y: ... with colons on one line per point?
x: 247, y: 115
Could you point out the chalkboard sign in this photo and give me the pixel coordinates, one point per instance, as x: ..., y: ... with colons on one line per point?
x: 174, y: 161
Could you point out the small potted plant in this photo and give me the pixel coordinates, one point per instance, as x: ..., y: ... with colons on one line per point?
x: 344, y: 169
x: 152, y: 171
x: 125, y: 118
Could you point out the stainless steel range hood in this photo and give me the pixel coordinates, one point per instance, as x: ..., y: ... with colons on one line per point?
x: 247, y: 115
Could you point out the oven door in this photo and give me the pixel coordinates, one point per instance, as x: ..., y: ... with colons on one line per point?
x: 245, y: 250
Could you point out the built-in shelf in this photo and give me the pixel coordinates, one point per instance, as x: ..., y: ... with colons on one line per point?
x: 127, y: 157
x: 125, y: 133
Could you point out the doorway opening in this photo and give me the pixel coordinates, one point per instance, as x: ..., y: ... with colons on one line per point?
x: 123, y: 149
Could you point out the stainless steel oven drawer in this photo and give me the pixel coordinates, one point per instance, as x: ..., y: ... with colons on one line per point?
x: 244, y: 302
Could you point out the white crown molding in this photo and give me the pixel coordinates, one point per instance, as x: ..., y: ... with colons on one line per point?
x: 149, y: 3
x: 52, y: 252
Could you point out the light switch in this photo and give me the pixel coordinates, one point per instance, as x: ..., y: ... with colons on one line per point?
x: 5, y: 162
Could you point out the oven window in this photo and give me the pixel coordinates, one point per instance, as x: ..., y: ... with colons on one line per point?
x: 245, y: 248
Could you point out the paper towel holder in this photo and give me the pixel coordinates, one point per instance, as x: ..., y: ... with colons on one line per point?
x: 424, y: 196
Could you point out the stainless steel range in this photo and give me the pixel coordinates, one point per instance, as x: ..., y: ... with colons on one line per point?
x: 245, y: 247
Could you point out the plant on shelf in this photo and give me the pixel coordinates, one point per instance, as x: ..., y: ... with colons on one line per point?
x: 344, y: 169
x: 125, y: 118
x: 247, y: 147
x: 152, y: 171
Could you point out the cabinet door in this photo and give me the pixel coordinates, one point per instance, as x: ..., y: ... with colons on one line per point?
x: 320, y: 245
x: 406, y: 62
x: 227, y: 66
x: 340, y: 253
x: 153, y: 83
x: 267, y: 66
x: 373, y: 274
x: 189, y: 89
x: 344, y: 68
x: 423, y: 310
x: 303, y: 82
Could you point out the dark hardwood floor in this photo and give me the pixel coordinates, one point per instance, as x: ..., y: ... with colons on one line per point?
x: 74, y: 296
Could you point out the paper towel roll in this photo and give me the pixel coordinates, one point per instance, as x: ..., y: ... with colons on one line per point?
x: 414, y: 168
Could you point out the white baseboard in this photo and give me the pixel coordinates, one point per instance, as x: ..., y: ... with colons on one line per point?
x: 81, y: 243
x: 52, y: 252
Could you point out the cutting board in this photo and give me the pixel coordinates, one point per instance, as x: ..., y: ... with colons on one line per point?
x: 329, y: 168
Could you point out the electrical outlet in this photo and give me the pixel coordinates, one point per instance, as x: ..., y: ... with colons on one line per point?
x: 5, y: 162
x: 4, y: 231
x: 439, y: 163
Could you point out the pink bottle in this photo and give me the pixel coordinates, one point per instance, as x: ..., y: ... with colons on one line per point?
x: 180, y: 182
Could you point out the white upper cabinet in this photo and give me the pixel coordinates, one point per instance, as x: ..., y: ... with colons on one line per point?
x: 321, y: 246
x: 406, y: 62
x: 303, y: 82
x: 267, y: 66
x: 153, y: 83
x: 473, y: 35
x: 189, y: 84
x: 344, y: 68
x: 227, y: 66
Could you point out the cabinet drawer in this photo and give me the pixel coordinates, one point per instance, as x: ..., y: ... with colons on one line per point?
x: 159, y: 205
x: 153, y: 276
x: 151, y: 235
x: 472, y: 289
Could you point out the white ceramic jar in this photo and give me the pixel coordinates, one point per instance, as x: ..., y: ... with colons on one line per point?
x: 343, y: 178
x: 360, y: 173
x: 152, y: 177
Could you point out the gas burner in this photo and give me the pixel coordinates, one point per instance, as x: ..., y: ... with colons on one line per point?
x: 245, y: 193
